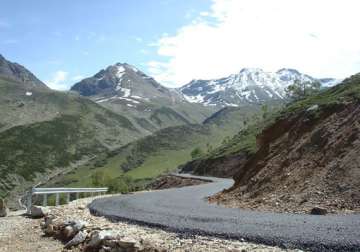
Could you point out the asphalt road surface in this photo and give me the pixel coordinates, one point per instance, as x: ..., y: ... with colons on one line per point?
x: 186, y: 211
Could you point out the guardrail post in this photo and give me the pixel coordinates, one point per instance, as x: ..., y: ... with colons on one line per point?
x: 67, y: 198
x: 45, y: 200
x: 77, y: 195
x: 57, y: 200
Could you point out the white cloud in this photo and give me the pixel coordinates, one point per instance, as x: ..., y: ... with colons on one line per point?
x: 316, y: 37
x: 58, y: 82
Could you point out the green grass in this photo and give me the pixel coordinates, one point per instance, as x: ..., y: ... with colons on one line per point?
x: 160, y: 163
x: 347, y: 91
x: 165, y: 114
x: 81, y: 176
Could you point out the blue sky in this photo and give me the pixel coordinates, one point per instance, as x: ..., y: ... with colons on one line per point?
x: 81, y: 37
x: 175, y: 41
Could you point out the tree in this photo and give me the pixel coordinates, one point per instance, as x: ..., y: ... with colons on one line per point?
x: 300, y: 90
x: 226, y: 140
x: 209, y: 147
x: 99, y: 178
x: 196, y: 153
x: 265, y: 111
x: 120, y: 184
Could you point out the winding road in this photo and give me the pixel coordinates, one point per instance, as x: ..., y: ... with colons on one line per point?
x: 186, y: 211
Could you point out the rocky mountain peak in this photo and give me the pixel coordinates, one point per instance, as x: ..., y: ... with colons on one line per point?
x: 19, y: 73
x: 248, y: 86
x: 124, y: 82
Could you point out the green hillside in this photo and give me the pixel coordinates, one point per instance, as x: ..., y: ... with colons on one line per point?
x: 162, y: 151
x: 47, y: 132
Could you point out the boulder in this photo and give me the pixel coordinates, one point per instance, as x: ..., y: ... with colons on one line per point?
x: 39, y: 211
x: 47, y: 225
x: 49, y: 230
x: 78, y: 238
x: 123, y: 244
x: 68, y: 232
x: 313, y: 107
x: 318, y: 211
x: 97, y: 237
x: 105, y: 249
x: 77, y: 225
x: 3, y: 208
x: 127, y: 243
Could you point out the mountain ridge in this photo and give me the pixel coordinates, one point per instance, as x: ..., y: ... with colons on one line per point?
x: 19, y: 73
x: 249, y: 86
x: 126, y: 90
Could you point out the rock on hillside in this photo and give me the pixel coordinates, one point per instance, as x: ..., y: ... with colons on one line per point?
x: 309, y: 157
x: 19, y: 73
x: 249, y: 86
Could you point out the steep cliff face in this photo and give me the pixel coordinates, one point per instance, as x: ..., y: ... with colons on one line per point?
x: 310, y: 157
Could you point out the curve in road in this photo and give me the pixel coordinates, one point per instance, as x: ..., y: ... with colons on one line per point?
x: 185, y: 210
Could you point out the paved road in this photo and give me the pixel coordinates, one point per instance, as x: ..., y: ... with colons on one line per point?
x: 184, y: 210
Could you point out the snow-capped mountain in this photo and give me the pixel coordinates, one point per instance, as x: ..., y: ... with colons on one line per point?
x: 124, y: 82
x: 126, y: 90
x: 249, y: 86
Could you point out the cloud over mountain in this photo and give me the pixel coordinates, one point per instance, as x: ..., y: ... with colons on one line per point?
x: 306, y: 35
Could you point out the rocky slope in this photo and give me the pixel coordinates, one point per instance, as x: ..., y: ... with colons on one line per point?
x: 249, y: 86
x: 19, y: 73
x: 308, y: 157
x: 126, y: 90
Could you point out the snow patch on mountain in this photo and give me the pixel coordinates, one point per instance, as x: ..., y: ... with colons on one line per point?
x: 250, y: 85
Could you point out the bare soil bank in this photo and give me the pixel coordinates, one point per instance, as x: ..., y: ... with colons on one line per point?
x: 305, y: 160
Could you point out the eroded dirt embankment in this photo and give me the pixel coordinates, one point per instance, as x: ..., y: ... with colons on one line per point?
x: 221, y: 167
x: 174, y: 181
x: 305, y: 160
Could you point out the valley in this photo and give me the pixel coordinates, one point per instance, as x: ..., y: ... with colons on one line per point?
x: 180, y: 126
x: 123, y: 130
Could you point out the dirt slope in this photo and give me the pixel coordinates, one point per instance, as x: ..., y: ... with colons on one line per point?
x: 307, y: 158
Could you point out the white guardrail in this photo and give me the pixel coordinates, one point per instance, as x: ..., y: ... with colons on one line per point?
x: 57, y: 191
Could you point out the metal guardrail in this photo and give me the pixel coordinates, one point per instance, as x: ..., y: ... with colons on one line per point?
x: 57, y: 192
